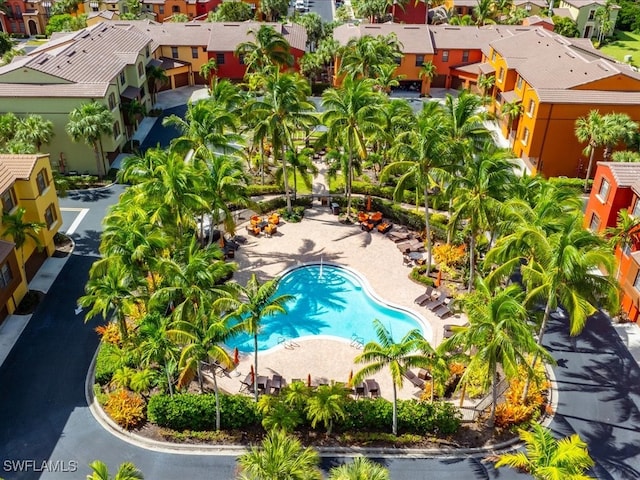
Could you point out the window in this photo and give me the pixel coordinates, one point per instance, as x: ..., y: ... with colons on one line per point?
x: 220, y: 58
x: 116, y: 129
x: 42, y: 181
x: 636, y: 208
x: 525, y: 136
x: 594, y: 224
x: 8, y: 201
x: 501, y: 74
x: 419, y: 60
x: 175, y: 9
x: 142, y: 92
x: 626, y: 249
x: 112, y: 101
x: 398, y: 60
x: 519, y: 83
x: 603, y: 193
x: 122, y: 79
x: 493, y: 55
x: 174, y: 52
x: 592, y: 14
x: 146, y: 52
x: 636, y: 282
x: 161, y: 9
x: 5, y: 275
x: 445, y: 55
x: 50, y: 216
x: 465, y: 55
x: 194, y: 52
x: 140, y: 70
x: 532, y: 107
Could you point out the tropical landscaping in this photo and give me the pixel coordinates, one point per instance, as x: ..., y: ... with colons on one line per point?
x: 521, y: 255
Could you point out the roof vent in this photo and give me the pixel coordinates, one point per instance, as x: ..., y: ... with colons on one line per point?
x: 43, y: 61
x: 569, y: 54
x: 602, y: 67
x: 71, y: 53
x: 452, y: 28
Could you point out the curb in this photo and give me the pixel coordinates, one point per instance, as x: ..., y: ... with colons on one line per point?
x: 80, y: 190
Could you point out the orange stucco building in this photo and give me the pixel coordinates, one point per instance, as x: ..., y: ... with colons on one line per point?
x: 616, y: 187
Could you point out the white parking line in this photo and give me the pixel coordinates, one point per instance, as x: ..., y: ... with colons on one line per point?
x: 76, y: 222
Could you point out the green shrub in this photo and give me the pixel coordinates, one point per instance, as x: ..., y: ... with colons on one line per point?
x: 125, y: 408
x: 109, y: 360
x: 367, y: 438
x: 366, y: 415
x: 426, y: 417
x: 576, y: 183
x: 418, y: 274
x: 197, y: 412
x: 265, y: 189
x: 280, y: 202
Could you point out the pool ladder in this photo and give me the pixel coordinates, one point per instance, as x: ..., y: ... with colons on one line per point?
x: 356, y: 341
x: 288, y: 344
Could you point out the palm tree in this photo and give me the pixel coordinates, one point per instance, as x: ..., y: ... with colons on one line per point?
x: 19, y: 230
x: 360, y: 469
x: 485, y: 83
x: 398, y: 357
x: 260, y: 302
x: 283, y: 110
x: 302, y: 167
x: 386, y: 77
x: 35, y: 130
x: 624, y: 235
x: 479, y: 191
x: 617, y: 127
x: 465, y: 128
x: 208, y: 71
x: 350, y: 113
x: 327, y: 405
x: 203, y: 337
x: 428, y: 72
x: 88, y: 123
x: 483, y: 12
x: 156, y: 77
x: 360, y: 55
x: 280, y: 458
x: 512, y: 110
x: 155, y: 346
x: 497, y: 333
x: 110, y: 288
x: 126, y: 471
x: 547, y: 458
x: 269, y: 48
x: 132, y: 111
x: 421, y: 155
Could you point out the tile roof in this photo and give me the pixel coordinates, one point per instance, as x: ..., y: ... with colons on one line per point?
x: 535, y: 19
x: 172, y: 33
x: 462, y: 37
x: 5, y: 249
x: 549, y: 61
x: 413, y: 38
x: 625, y: 174
x: 226, y: 36
x: 563, y: 12
x: 64, y: 90
x: 593, y: 97
x: 585, y: 3
x: 93, y: 55
x: 537, y: 3
x: 16, y: 167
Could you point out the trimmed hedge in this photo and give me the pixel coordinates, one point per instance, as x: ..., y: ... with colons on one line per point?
x: 281, y: 202
x: 107, y: 362
x: 264, y: 189
x: 577, y: 183
x: 190, y: 411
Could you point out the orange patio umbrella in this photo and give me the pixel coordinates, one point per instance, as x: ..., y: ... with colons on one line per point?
x: 236, y: 356
x: 253, y: 374
x: 368, y: 203
x: 309, y: 380
x: 438, y: 279
x: 350, y: 377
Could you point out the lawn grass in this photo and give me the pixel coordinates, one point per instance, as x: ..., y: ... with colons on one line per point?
x: 624, y: 43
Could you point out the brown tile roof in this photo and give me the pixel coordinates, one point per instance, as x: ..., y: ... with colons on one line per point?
x: 171, y: 33
x: 413, y: 38
x: 535, y: 19
x: 625, y: 174
x: 549, y: 61
x: 537, y: 3
x: 563, y: 12
x: 94, y: 55
x: 462, y: 37
x: 16, y: 167
x: 593, y: 97
x: 226, y: 36
x: 64, y: 90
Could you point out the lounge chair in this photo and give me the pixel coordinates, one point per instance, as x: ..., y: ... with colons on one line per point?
x: 372, y: 388
x: 443, y: 311
x: 366, y: 226
x: 437, y: 302
x: 360, y: 390
x: 274, y: 218
x: 376, y: 218
x: 363, y: 217
x: 413, y: 378
x: 425, y: 297
x: 270, y: 229
x: 397, y: 237
x: 384, y: 227
x: 254, y: 230
x: 255, y: 220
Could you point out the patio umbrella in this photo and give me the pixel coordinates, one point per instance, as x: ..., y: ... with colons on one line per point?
x: 253, y: 374
x: 236, y: 356
x: 350, y: 377
x: 368, y: 203
x: 309, y: 380
x: 438, y: 279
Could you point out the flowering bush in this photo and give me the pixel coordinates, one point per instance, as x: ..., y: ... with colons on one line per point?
x: 125, y: 408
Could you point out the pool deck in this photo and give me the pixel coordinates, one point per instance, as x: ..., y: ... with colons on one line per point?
x: 321, y: 236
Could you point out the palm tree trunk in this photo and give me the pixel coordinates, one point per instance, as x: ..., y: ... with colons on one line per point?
x: 433, y: 386
x: 543, y: 327
x: 99, y: 163
x: 349, y: 179
x: 589, y: 167
x: 217, y: 395
x: 295, y: 184
x: 286, y: 179
x: 394, y: 428
x: 494, y: 396
x: 122, y: 323
x: 463, y: 394
x: 200, y: 383
x: 427, y: 224
x: 255, y: 367
x: 472, y: 260
x: 169, y: 382
x: 262, y: 160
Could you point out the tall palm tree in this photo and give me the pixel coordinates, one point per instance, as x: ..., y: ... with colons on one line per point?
x: 427, y: 73
x: 155, y: 346
x: 283, y: 110
x: 397, y: 357
x: 208, y: 71
x: 590, y: 129
x: 420, y: 154
x: 624, y: 235
x: 269, y: 48
x: 359, y: 56
x: 480, y: 189
x: 546, y: 458
x: 464, y: 120
x: 202, y: 340
x: 126, y: 471
x: 88, y: 123
x: 280, y: 458
x: 20, y: 231
x: 350, y: 113
x: 617, y: 127
x: 156, y: 78
x: 35, y: 130
x: 327, y: 405
x: 302, y: 167
x: 512, y: 110
x: 497, y: 333
x: 386, y: 77
x: 259, y: 302
x: 485, y: 82
x: 360, y: 469
x: 110, y: 289
x: 132, y: 112
x: 484, y: 12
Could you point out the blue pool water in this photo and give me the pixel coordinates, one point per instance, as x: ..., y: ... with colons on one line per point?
x: 328, y: 300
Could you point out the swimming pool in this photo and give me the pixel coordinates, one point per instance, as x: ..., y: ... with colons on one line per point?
x: 330, y: 301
